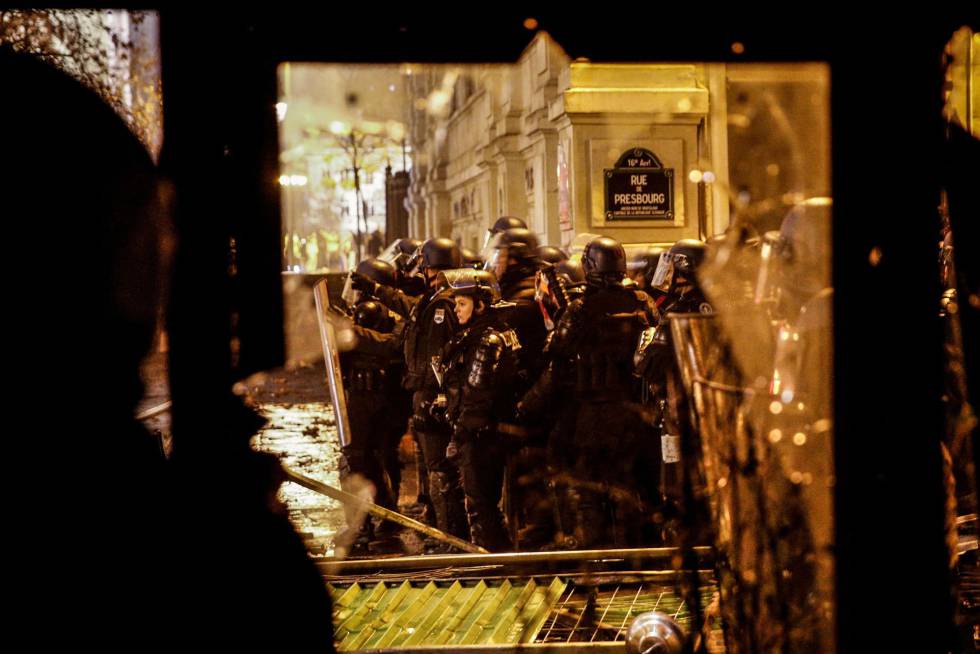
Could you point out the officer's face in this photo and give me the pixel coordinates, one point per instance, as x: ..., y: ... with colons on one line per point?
x: 464, y: 309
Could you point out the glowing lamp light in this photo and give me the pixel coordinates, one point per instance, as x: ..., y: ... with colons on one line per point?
x: 297, y: 180
x: 395, y: 130
x: 708, y: 177
x: 284, y: 180
x: 438, y: 100
x: 281, y: 108
x: 339, y: 128
x: 695, y: 176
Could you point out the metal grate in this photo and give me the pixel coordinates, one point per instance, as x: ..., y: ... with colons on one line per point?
x: 412, y: 614
x: 407, y: 613
x: 603, y: 613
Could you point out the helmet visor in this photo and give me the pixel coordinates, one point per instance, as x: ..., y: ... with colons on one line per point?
x: 465, y: 281
x: 664, y: 274
x: 577, y: 246
x: 393, y: 254
x: 414, y: 265
x: 495, y: 255
x: 486, y: 242
x: 349, y: 295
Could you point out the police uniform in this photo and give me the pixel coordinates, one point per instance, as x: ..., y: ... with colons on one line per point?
x: 663, y: 392
x: 480, y: 364
x: 594, y: 342
x: 376, y: 410
x: 430, y: 324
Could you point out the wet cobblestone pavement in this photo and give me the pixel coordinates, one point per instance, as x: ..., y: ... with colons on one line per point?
x: 304, y: 437
x: 301, y: 431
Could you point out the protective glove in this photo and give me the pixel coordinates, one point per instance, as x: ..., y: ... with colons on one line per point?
x: 438, y: 408
x: 361, y: 283
x: 452, y: 451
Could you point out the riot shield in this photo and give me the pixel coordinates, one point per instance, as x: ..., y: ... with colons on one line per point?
x: 767, y: 515
x: 331, y: 357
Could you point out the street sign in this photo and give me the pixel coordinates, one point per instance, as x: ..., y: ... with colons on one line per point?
x: 639, y: 188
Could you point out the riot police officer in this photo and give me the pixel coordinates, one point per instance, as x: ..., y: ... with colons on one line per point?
x: 478, y: 367
x: 377, y: 413
x: 676, y: 279
x: 549, y: 407
x: 512, y: 255
x: 596, y: 336
x: 429, y: 325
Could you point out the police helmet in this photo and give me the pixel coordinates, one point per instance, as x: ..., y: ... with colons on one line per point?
x: 471, y: 259
x: 372, y: 315
x: 571, y: 272
x: 682, y: 259
x: 603, y: 260
x: 516, y: 243
x: 502, y: 224
x: 551, y: 254
x: 478, y: 284
x: 438, y: 253
x: 400, y: 253
x: 507, y: 222
x: 380, y: 271
x: 644, y: 263
x: 408, y: 245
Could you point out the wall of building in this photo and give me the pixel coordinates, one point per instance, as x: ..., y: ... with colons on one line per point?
x: 534, y: 140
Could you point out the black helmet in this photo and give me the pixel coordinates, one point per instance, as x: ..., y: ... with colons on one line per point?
x: 479, y: 284
x: 683, y: 258
x: 408, y: 245
x: 503, y: 224
x: 604, y: 260
x: 400, y: 253
x: 571, y: 272
x: 380, y: 271
x: 372, y: 315
x: 551, y: 254
x: 507, y: 222
x: 471, y: 259
x: 644, y: 263
x: 438, y: 253
x: 517, y: 243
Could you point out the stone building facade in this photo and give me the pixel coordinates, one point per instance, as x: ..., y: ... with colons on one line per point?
x: 537, y: 140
